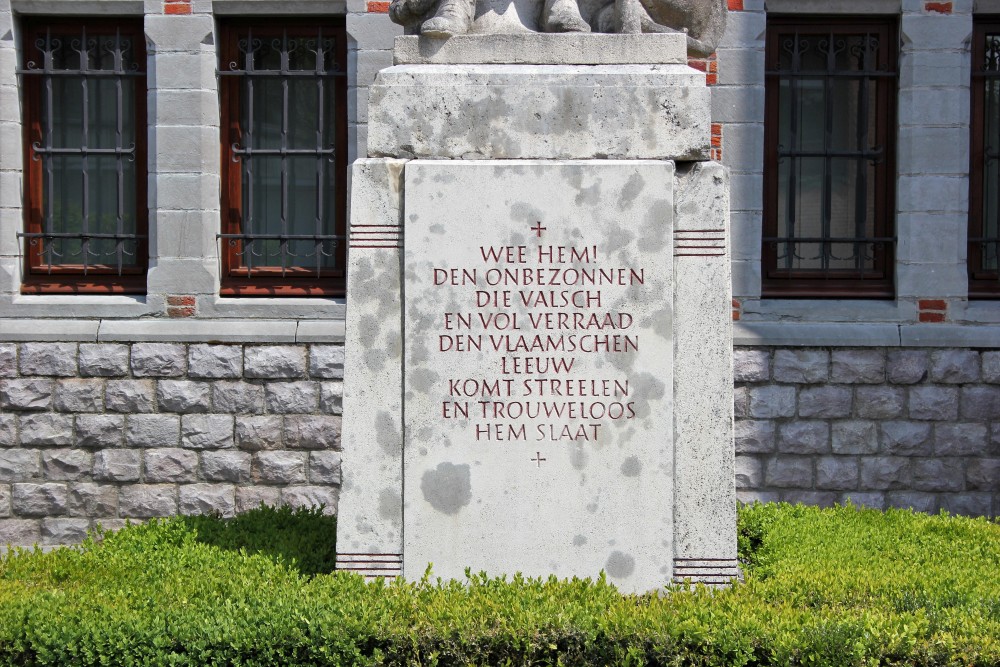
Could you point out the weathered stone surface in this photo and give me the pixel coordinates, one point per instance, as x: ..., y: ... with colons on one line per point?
x: 326, y: 362
x: 274, y: 361
x: 226, y: 466
x: 858, y: 366
x: 103, y: 360
x: 8, y: 360
x: 968, y: 439
x: 207, y: 499
x: 46, y: 430
x: 64, y: 531
x: 879, y: 402
x: 279, y: 467
x: 837, y: 473
x: 906, y: 438
x: 171, y: 465
x: 980, y: 402
x: 99, y: 430
x: 754, y: 436
x: 8, y: 430
x: 30, y: 394
x: 884, y: 473
x: 5, y: 510
x: 789, y: 472
x: 292, y: 397
x: 331, y: 397
x: 954, y: 366
x: 804, y: 437
x: 258, y: 432
x: 39, y: 499
x: 215, y: 361
x: 158, y: 360
x: 983, y: 474
x: 20, y: 532
x: 76, y: 395
x: 751, y: 497
x: 239, y: 397
x: 250, y: 497
x: 854, y: 437
x: 152, y: 430
x: 934, y: 403
x: 915, y: 500
x: 938, y: 475
x: 92, y: 500
x: 18, y: 465
x: 990, y: 367
x: 751, y: 365
x: 184, y: 396
x: 311, y: 496
x: 144, y: 501
x: 801, y: 366
x: 968, y: 504
x: 117, y: 465
x: 907, y: 366
x: 324, y: 468
x: 825, y: 402
x: 130, y: 396
x: 207, y: 431
x: 772, y: 401
x: 53, y: 359
x: 816, y: 498
x: 749, y: 472
x: 312, y: 432
x: 871, y: 500
x: 66, y: 464
x: 741, y: 402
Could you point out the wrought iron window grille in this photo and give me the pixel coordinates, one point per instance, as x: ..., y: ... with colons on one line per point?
x: 88, y: 249
x: 984, y: 219
x: 261, y: 249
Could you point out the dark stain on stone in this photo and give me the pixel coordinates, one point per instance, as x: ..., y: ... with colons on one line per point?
x: 390, y: 505
x: 619, y: 565
x: 631, y: 467
x: 448, y: 488
x: 633, y: 188
x: 579, y: 541
x: 386, y: 433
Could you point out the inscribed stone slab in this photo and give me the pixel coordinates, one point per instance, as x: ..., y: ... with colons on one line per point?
x: 538, y: 369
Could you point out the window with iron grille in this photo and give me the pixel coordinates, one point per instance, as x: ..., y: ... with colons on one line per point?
x: 284, y: 93
x: 84, y: 101
x: 984, y: 199
x: 829, y: 174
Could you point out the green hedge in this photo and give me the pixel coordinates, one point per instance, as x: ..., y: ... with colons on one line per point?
x: 823, y: 587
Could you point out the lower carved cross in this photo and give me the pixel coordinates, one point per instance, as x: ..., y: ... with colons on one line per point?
x: 538, y: 459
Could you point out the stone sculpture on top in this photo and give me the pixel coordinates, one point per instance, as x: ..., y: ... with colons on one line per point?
x: 702, y: 20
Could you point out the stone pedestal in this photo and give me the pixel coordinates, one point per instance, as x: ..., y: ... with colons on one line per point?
x: 538, y: 374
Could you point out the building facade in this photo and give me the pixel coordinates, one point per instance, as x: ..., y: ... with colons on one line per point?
x: 173, y: 222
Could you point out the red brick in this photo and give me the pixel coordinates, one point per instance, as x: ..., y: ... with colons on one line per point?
x: 736, y: 316
x: 932, y: 304
x: 737, y: 5
x: 711, y: 79
x: 932, y: 317
x: 180, y: 312
x: 938, y: 7
x: 177, y: 8
x: 181, y: 300
x: 700, y: 65
x: 376, y: 7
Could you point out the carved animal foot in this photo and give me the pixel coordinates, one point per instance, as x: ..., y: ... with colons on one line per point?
x: 409, y: 12
x: 453, y: 17
x: 563, y: 16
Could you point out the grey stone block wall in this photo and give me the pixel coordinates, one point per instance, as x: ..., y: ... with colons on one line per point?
x: 880, y: 427
x: 94, y: 433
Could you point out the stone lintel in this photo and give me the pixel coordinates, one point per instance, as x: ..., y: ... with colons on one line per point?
x: 534, y: 48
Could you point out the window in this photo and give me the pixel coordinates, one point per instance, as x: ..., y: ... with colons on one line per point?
x: 284, y: 92
x: 84, y: 89
x: 829, y: 164
x: 984, y: 198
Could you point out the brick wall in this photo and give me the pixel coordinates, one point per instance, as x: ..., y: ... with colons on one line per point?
x: 881, y: 427
x: 101, y: 433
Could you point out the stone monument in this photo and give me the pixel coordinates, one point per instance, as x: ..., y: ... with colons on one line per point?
x: 538, y: 374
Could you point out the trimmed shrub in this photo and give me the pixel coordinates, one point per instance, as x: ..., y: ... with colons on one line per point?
x: 841, y: 587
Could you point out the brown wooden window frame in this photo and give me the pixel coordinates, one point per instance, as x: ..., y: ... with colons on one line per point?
x: 876, y: 282
x: 41, y: 274
x: 274, y: 280
x: 984, y: 283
